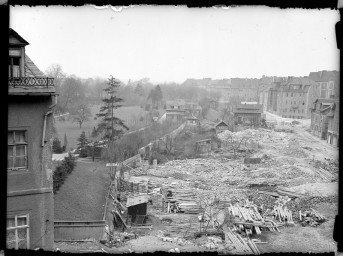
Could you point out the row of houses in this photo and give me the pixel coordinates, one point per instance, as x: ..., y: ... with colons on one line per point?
x: 293, y: 97
x: 242, y: 88
x: 180, y: 110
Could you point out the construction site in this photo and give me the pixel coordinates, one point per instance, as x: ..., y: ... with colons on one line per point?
x: 247, y: 192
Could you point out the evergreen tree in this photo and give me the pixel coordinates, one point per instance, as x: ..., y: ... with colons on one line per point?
x: 94, y: 133
x: 111, y: 125
x: 56, y: 146
x: 139, y: 90
x: 83, y: 141
x: 156, y: 96
x: 65, y: 142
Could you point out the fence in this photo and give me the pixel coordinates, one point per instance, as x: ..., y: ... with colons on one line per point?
x: 78, y: 230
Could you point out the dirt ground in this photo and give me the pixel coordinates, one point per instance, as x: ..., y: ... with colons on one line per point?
x: 288, y: 162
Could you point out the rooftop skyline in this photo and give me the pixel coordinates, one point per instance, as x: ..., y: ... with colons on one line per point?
x: 175, y: 43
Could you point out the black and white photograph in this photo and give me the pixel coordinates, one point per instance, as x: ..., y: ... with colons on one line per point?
x: 147, y: 128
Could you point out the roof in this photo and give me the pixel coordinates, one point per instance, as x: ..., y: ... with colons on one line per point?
x: 177, y: 102
x: 202, y: 141
x: 31, y: 70
x: 324, y: 76
x: 325, y: 104
x: 248, y: 108
x: 222, y: 122
x: 136, y: 199
x: 16, y: 39
x: 192, y: 118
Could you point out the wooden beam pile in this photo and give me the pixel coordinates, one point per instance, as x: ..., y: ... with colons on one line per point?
x: 245, y: 246
x: 183, y: 228
x: 182, y: 200
x: 325, y: 175
x: 247, y: 218
x: 283, y: 214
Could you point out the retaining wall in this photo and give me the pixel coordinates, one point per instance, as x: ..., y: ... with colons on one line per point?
x: 78, y: 230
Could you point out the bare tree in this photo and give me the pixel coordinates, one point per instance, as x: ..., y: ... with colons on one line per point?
x: 169, y: 144
x: 80, y: 113
x: 234, y: 140
x: 55, y: 71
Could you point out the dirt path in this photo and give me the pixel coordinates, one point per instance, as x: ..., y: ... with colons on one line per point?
x: 320, y: 148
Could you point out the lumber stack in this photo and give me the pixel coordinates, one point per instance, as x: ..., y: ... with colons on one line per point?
x: 283, y: 214
x: 248, y: 219
x: 325, y: 175
x: 181, y: 228
x: 182, y: 200
x: 245, y: 246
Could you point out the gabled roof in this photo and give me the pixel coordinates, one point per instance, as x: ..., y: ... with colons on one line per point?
x: 324, y: 76
x: 221, y: 122
x: 16, y: 39
x: 248, y: 108
x: 31, y: 70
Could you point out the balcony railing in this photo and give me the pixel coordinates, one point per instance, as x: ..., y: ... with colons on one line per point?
x: 30, y: 81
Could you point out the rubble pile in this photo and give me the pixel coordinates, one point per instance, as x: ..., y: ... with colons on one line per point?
x: 311, y: 218
x: 328, y: 170
x: 211, y: 243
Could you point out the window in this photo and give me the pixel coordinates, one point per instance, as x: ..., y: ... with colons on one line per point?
x: 18, y: 232
x: 14, y: 67
x: 325, y: 93
x: 17, y: 150
x: 291, y: 94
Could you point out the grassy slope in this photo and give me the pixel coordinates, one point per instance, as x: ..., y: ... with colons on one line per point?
x: 82, y: 196
x: 73, y: 131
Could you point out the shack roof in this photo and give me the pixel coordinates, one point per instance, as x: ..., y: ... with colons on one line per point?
x: 221, y: 123
x: 135, y: 199
x: 248, y: 108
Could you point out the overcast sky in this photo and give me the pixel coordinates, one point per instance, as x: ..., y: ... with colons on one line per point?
x: 172, y: 44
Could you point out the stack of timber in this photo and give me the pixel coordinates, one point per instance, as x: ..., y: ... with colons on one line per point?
x: 245, y: 246
x: 183, y: 228
x: 180, y: 200
x: 248, y: 219
x: 325, y: 175
x: 282, y: 214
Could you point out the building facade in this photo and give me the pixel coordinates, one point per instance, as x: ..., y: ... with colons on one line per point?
x: 319, y: 117
x: 248, y: 114
x: 30, y: 205
x: 222, y: 126
x: 292, y: 98
x: 333, y: 125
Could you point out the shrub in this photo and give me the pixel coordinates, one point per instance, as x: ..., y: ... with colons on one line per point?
x: 159, y: 157
x: 56, y: 146
x: 83, y: 152
x: 62, y: 171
